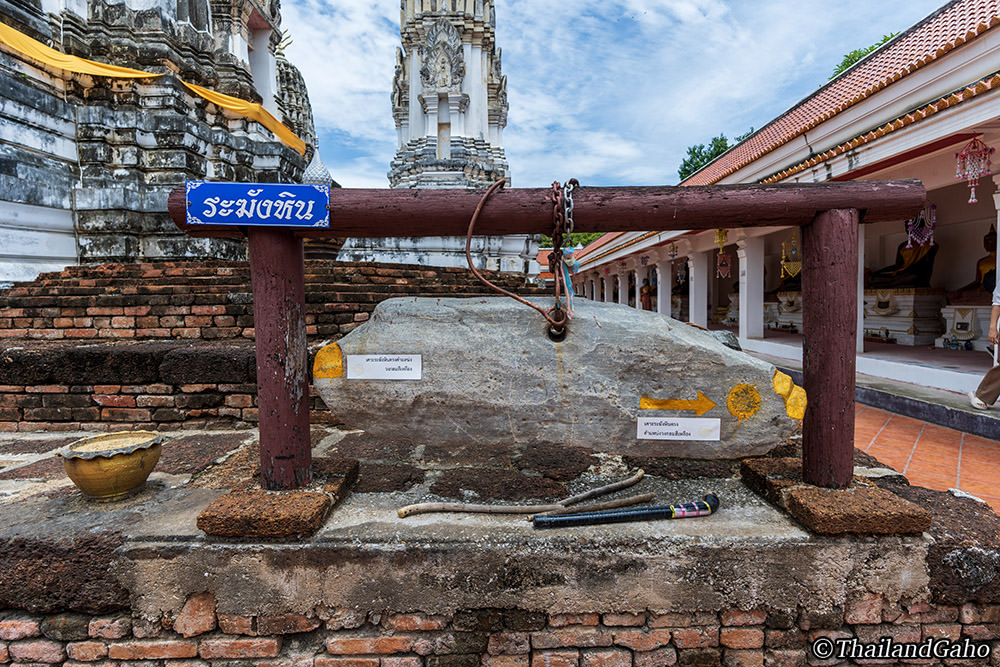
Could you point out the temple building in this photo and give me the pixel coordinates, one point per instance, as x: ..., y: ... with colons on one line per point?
x: 925, y: 105
x: 449, y: 103
x: 106, y: 106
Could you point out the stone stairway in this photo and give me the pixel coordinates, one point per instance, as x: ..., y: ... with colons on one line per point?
x: 212, y: 300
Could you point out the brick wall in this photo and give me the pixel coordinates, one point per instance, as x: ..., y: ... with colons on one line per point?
x: 480, y: 637
x: 169, y: 344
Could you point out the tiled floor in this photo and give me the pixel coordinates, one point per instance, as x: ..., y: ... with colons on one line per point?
x: 930, y: 455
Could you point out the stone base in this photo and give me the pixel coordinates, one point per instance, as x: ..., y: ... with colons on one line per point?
x: 249, y: 511
x: 861, y: 509
x: 253, y: 513
x: 965, y: 324
x: 136, y: 581
x: 679, y: 308
x: 910, y: 316
x: 513, y: 253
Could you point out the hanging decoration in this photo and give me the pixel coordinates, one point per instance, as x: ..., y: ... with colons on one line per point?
x: 972, y: 162
x: 920, y: 230
x: 791, y: 260
x: 723, y: 267
x: 672, y: 251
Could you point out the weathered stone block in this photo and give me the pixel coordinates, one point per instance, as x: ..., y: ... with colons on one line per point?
x: 491, y: 374
x: 253, y: 513
x: 856, y: 510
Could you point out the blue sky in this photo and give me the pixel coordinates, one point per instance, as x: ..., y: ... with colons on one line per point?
x: 611, y: 92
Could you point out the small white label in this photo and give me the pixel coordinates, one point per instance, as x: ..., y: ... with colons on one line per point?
x: 384, y: 367
x: 679, y: 428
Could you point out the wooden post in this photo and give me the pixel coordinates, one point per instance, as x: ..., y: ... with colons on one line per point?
x: 278, y: 278
x: 829, y: 328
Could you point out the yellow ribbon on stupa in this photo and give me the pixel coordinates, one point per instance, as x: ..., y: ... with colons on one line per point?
x: 251, y: 110
x: 35, y: 50
x: 38, y: 51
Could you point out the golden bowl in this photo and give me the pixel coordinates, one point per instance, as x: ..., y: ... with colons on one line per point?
x: 106, y: 467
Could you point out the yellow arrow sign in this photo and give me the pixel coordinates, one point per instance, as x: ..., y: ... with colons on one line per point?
x: 700, y: 405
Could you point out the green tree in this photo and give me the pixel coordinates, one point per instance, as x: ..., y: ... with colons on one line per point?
x: 576, y: 238
x: 857, y: 54
x: 699, y: 155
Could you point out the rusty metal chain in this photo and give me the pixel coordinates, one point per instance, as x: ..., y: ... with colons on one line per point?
x: 562, y: 211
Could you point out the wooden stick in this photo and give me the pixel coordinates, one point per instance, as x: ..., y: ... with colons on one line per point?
x: 602, y: 490
x: 606, y: 505
x: 425, y: 508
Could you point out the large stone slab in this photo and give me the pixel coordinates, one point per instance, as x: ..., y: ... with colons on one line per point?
x: 490, y: 374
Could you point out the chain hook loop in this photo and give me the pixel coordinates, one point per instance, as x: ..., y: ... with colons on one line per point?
x: 562, y: 222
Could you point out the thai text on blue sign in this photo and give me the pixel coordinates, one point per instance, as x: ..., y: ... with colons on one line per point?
x: 258, y: 204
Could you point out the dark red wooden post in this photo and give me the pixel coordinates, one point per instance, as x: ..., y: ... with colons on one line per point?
x: 277, y: 274
x: 829, y: 339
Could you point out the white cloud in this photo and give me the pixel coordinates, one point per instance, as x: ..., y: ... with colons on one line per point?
x: 608, y: 91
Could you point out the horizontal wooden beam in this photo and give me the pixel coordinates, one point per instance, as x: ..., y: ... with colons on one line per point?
x: 411, y: 212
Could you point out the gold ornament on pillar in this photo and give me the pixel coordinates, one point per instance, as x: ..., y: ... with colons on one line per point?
x: 791, y: 260
x: 723, y: 261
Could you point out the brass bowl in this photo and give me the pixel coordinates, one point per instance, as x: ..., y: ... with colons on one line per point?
x: 106, y: 467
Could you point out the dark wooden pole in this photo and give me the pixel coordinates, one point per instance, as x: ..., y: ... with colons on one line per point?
x: 410, y: 212
x: 279, y: 303
x: 829, y: 340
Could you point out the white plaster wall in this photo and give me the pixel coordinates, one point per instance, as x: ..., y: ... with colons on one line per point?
x: 166, y: 7
x: 78, y: 7
x: 264, y: 70
x: 38, y: 148
x: 34, y: 239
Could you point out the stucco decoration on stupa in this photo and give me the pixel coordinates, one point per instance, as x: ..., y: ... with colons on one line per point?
x: 442, y: 66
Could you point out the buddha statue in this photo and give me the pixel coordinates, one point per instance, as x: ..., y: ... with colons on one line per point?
x: 912, y: 268
x: 979, y: 291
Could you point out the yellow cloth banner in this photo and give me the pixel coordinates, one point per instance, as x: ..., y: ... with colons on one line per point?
x: 250, y: 110
x: 38, y: 51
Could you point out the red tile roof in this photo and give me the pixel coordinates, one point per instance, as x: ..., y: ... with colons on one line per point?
x: 597, y: 243
x: 948, y: 28
x: 974, y: 89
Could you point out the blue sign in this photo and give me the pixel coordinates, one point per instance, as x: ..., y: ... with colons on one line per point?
x: 258, y: 204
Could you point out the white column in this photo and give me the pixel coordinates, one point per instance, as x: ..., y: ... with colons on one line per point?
x: 996, y: 205
x: 751, y: 255
x: 664, y: 285
x: 622, y: 287
x: 860, y: 343
x: 638, y: 285
x: 698, y: 288
x: 418, y: 126
x: 604, y: 290
x: 431, y: 128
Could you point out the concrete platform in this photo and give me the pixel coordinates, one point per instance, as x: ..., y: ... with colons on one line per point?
x: 746, y: 585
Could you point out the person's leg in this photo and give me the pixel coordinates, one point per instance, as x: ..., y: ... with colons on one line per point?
x: 989, y: 388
